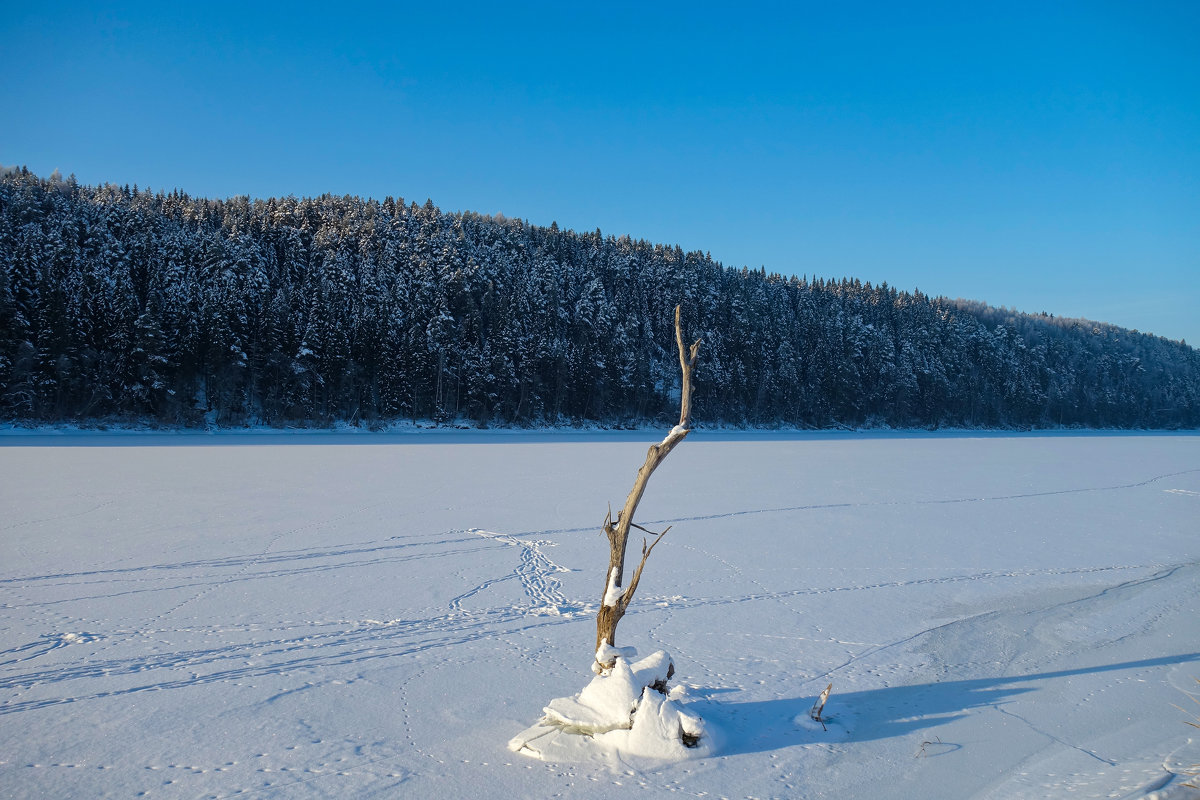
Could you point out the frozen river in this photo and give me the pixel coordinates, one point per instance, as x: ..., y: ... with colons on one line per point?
x: 349, y: 616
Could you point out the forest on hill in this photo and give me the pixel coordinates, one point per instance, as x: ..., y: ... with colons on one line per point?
x: 122, y: 304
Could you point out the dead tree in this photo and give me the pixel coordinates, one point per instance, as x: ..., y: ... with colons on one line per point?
x: 617, y: 595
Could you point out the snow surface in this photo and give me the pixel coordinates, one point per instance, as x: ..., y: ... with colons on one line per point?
x: 1000, y: 616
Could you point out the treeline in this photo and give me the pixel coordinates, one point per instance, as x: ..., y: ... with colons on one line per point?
x: 119, y: 303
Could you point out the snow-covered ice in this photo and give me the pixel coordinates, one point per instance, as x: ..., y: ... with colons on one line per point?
x: 1000, y: 616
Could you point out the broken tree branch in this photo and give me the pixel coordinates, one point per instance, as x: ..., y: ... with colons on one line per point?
x: 647, y: 530
x: 637, y: 573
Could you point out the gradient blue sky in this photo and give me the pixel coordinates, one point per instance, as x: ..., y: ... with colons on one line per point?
x: 1040, y: 156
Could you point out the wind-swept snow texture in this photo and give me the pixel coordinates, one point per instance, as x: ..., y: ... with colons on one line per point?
x: 1000, y: 617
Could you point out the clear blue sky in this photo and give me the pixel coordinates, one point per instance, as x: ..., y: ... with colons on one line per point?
x: 1041, y: 156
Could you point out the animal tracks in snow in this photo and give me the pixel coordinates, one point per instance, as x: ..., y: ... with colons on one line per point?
x: 915, y: 502
x: 159, y: 655
x: 535, y: 572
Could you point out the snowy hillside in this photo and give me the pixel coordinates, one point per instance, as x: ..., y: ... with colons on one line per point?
x: 1000, y: 617
x: 120, y: 304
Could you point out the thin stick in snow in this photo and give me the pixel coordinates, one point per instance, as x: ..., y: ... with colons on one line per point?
x: 819, y: 706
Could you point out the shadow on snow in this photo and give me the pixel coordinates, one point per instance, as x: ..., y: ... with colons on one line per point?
x: 885, y: 713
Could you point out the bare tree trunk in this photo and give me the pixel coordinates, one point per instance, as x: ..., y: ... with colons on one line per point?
x: 617, y: 596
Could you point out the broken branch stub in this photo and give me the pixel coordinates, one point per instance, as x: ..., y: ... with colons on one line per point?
x: 615, y: 599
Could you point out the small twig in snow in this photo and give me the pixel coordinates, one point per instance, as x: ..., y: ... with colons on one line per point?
x: 819, y: 706
x: 921, y: 752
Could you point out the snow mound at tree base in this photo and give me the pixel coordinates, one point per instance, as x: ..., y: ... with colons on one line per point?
x: 625, y: 711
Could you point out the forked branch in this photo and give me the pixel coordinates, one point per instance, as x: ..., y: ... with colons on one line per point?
x: 627, y: 595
